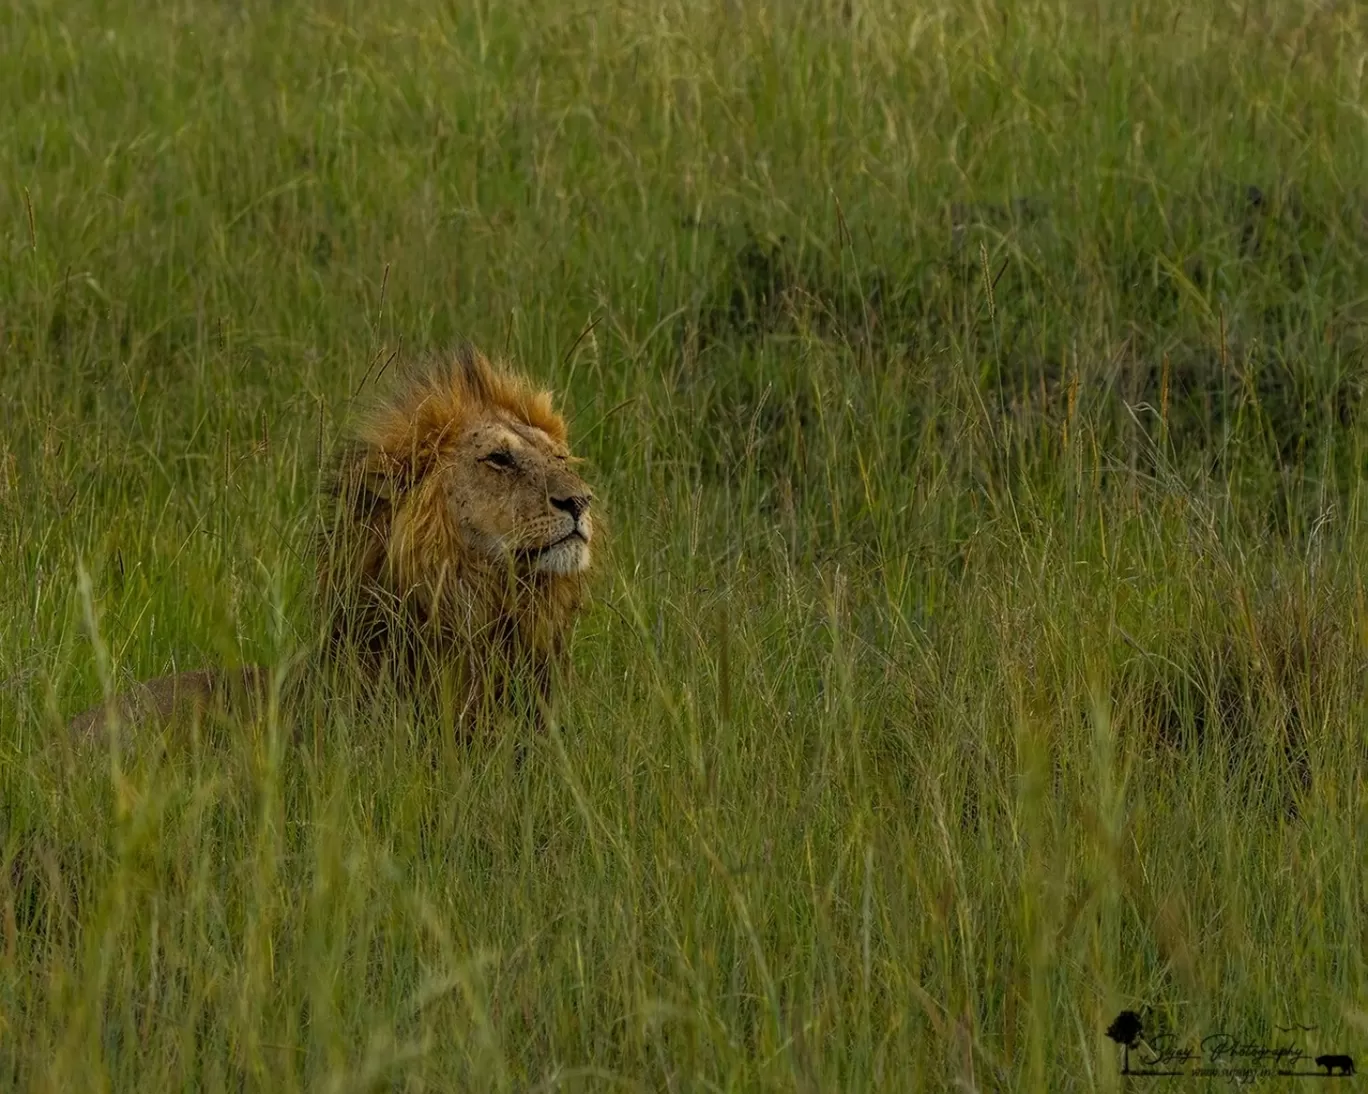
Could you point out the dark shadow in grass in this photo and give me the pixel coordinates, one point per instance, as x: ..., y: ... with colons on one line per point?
x: 44, y: 889
x: 771, y: 285
x: 1220, y: 360
x: 1257, y: 683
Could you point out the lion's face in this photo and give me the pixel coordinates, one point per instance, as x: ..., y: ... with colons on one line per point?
x: 513, y: 495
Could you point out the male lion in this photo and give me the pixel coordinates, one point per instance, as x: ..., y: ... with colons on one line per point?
x: 453, y: 553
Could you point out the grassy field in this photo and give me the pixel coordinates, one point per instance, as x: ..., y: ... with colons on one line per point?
x: 975, y: 395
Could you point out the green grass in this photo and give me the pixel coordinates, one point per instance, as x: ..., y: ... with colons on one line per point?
x: 983, y: 644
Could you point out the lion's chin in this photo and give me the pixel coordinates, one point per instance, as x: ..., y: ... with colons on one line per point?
x: 569, y: 556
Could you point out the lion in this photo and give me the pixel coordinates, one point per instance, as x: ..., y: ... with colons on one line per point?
x: 461, y: 537
x: 197, y: 693
x: 452, y: 558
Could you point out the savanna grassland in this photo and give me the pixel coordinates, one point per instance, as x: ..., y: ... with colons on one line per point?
x: 975, y: 395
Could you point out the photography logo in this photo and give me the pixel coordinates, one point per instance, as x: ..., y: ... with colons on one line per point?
x: 1156, y: 1052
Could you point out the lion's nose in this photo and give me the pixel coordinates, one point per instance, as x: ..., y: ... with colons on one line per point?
x: 574, y: 504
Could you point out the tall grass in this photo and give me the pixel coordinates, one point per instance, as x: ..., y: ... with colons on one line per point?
x: 974, y: 392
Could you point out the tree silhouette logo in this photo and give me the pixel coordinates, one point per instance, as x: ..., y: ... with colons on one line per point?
x: 1126, y: 1030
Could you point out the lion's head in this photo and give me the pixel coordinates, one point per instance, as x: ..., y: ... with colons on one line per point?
x: 460, y: 525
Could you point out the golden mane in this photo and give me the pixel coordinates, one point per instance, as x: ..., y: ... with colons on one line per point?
x: 433, y: 403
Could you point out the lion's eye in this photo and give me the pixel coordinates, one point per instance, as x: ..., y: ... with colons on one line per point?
x: 499, y: 458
